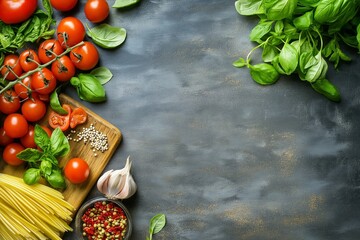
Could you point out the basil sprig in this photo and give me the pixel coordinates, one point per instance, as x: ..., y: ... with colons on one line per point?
x: 157, y: 223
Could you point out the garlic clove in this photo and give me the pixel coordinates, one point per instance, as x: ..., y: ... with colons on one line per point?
x: 129, y: 188
x: 102, y: 182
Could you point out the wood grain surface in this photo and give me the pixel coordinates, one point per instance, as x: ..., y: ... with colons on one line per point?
x: 75, y: 194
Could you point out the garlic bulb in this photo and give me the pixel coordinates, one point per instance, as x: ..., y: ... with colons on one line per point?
x: 117, y: 184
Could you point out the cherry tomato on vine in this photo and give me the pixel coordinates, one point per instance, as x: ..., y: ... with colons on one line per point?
x: 96, y: 10
x: 63, y: 69
x: 78, y: 116
x: 70, y: 31
x: 16, y: 11
x: 15, y: 125
x: 28, y: 141
x: 85, y: 57
x: 49, y: 49
x: 20, y: 89
x: 29, y: 60
x: 33, y: 109
x: 11, y: 68
x: 9, y: 102
x: 9, y: 154
x: 4, y: 138
x: 43, y: 81
x: 63, y: 5
x: 62, y: 121
x: 77, y: 170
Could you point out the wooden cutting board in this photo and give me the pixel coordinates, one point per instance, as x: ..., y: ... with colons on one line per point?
x: 75, y: 194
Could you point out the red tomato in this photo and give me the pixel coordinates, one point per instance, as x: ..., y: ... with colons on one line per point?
x: 16, y: 11
x: 78, y: 116
x: 63, y: 69
x: 62, y: 121
x: 63, y: 5
x: 4, y: 139
x: 9, y: 154
x: 11, y: 61
x: 49, y: 49
x: 9, y: 102
x: 85, y: 57
x: 28, y: 141
x: 96, y: 10
x: 33, y: 109
x: 29, y: 60
x: 43, y: 82
x: 70, y: 31
x: 15, y: 125
x: 21, y: 90
x: 76, y: 170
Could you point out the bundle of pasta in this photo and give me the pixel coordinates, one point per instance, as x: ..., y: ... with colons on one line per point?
x: 32, y: 212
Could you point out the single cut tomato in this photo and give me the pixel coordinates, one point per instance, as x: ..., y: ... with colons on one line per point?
x: 16, y: 11
x: 10, y: 152
x: 78, y: 116
x: 77, y: 170
x: 62, y: 121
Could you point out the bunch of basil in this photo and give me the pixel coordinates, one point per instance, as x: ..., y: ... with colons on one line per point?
x: 13, y: 37
x: 298, y: 36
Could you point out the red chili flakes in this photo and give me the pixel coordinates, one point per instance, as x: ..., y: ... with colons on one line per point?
x: 104, y: 221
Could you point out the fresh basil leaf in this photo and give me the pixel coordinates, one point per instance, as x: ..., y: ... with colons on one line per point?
x: 59, y: 143
x: 269, y: 53
x: 241, y: 62
x: 260, y: 30
x: 249, y: 7
x: 88, y: 88
x: 326, y: 88
x: 288, y: 58
x: 46, y: 167
x: 41, y: 138
x: 56, y: 179
x: 280, y: 9
x: 124, y: 3
x: 279, y: 26
x: 55, y: 102
x: 157, y: 223
x: 103, y: 74
x: 107, y: 36
x: 264, y: 73
x: 30, y: 155
x: 304, y: 22
x: 31, y: 176
x: 358, y: 36
x: 318, y: 70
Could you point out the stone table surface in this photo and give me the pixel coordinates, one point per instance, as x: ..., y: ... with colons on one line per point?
x: 221, y: 156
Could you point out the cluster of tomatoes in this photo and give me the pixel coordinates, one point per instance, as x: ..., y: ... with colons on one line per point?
x: 33, y: 75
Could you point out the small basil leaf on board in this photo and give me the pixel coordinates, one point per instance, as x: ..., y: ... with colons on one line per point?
x: 241, y: 62
x: 46, y: 167
x: 107, y: 36
x: 103, y: 74
x: 56, y: 179
x: 157, y: 223
x: 41, y: 138
x: 55, y: 103
x: 59, y: 143
x: 264, y: 73
x: 124, y: 3
x: 31, y: 155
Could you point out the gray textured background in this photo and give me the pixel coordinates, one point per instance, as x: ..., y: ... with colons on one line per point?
x: 221, y: 156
